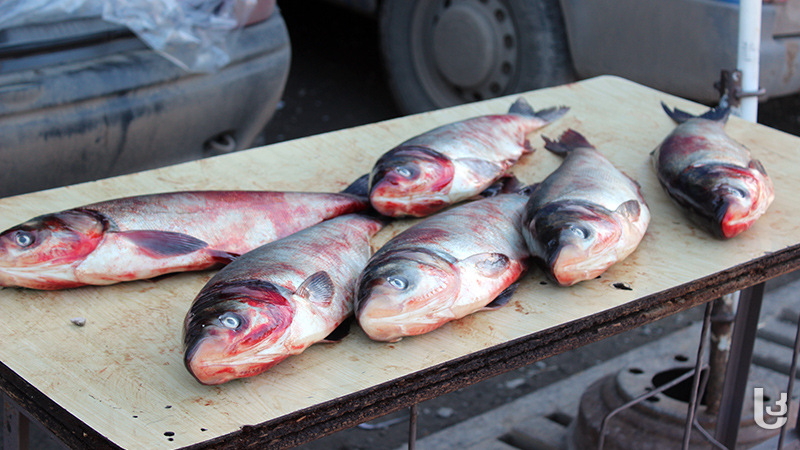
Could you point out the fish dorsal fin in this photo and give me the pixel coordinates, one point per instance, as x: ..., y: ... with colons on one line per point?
x: 318, y: 288
x: 483, y: 168
x: 630, y: 209
x: 502, y: 299
x: 161, y: 244
x: 489, y: 265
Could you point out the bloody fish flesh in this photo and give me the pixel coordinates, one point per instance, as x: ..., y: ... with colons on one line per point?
x: 146, y: 236
x: 446, y: 267
x: 276, y: 300
x: 585, y: 216
x: 711, y: 176
x: 454, y: 162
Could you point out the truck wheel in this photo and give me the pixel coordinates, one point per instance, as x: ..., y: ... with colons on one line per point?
x: 441, y: 53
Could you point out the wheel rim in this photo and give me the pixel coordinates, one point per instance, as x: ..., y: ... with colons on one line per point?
x: 463, y: 50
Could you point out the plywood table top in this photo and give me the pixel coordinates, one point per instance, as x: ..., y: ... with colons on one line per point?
x: 119, y: 381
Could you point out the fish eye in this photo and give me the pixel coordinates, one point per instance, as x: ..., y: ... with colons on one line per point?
x: 230, y: 320
x: 581, y: 232
x: 397, y: 282
x: 24, y: 238
x: 403, y: 171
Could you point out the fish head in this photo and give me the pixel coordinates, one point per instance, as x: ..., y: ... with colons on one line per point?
x: 574, y: 241
x: 236, y: 330
x: 724, y: 199
x: 42, y: 252
x: 401, y: 292
x: 411, y: 181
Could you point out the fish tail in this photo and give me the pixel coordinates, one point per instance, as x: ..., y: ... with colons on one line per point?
x: 360, y: 187
x: 523, y: 108
x: 568, y: 141
x: 717, y: 114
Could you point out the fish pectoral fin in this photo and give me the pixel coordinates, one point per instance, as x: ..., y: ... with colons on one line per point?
x: 223, y: 257
x: 756, y: 164
x: 482, y: 168
x: 630, y: 209
x: 318, y: 288
x: 339, y: 332
x: 502, y: 299
x: 489, y: 265
x: 161, y: 244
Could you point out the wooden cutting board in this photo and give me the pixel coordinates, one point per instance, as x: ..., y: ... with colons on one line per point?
x: 122, y: 374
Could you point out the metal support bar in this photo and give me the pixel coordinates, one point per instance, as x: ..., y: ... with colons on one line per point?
x: 690, y: 413
x: 790, y: 388
x: 741, y: 355
x: 412, y: 428
x: 15, y: 426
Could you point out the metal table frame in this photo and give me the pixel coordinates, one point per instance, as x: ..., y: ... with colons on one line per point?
x: 350, y: 410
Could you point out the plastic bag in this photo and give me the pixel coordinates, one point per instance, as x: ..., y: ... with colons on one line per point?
x: 194, y: 34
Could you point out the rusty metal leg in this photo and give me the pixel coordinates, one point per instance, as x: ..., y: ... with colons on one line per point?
x: 690, y: 413
x: 790, y: 388
x: 738, y: 369
x: 412, y: 428
x: 15, y: 426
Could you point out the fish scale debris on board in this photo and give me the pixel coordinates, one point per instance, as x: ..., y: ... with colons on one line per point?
x: 585, y: 216
x: 276, y: 300
x: 454, y: 162
x: 713, y: 178
x: 443, y: 268
x: 145, y: 236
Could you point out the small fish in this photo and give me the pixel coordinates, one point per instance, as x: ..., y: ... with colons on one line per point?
x: 276, y: 300
x: 446, y: 267
x: 146, y: 236
x: 585, y: 216
x: 711, y: 176
x: 454, y: 162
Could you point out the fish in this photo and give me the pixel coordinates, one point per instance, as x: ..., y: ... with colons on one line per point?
x: 454, y: 162
x: 585, y: 216
x: 443, y: 268
x: 146, y: 236
x: 277, y: 300
x: 713, y: 178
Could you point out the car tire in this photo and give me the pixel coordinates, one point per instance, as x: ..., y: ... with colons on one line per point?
x: 440, y: 53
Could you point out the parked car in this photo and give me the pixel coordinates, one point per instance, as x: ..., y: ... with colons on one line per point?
x: 83, y: 99
x: 440, y: 53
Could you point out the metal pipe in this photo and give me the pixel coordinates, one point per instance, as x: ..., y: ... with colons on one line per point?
x: 738, y: 369
x: 790, y: 389
x: 721, y: 331
x: 639, y: 399
x: 412, y: 427
x: 690, y: 414
x: 749, y: 55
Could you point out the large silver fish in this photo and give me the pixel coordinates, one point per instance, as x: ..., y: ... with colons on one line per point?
x: 454, y: 162
x: 146, y: 236
x: 446, y: 267
x: 585, y: 216
x: 276, y: 300
x: 711, y: 176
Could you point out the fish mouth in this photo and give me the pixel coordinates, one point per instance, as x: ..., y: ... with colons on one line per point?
x: 204, y: 363
x: 569, y: 265
x: 413, y: 205
x: 41, y: 277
